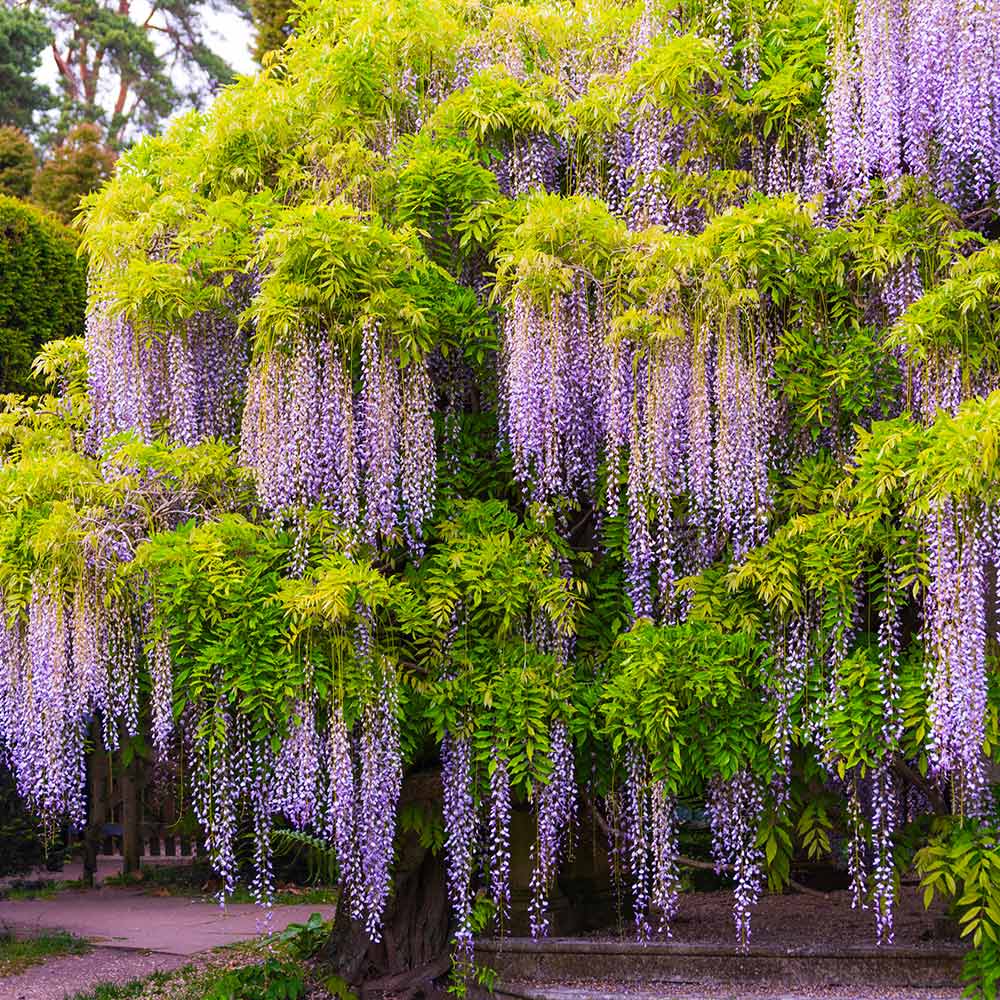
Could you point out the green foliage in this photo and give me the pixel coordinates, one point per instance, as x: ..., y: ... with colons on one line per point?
x: 688, y: 695
x: 17, y: 954
x: 216, y: 598
x: 270, y: 980
x: 17, y: 161
x: 81, y: 163
x: 42, y: 289
x: 320, y: 856
x: 962, y: 863
x: 305, y: 940
x: 24, y: 34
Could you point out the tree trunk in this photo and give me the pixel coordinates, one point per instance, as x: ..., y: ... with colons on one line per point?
x: 131, y: 813
x: 413, y: 952
x: 97, y: 784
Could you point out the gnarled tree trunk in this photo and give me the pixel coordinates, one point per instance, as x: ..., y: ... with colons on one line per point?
x: 413, y: 953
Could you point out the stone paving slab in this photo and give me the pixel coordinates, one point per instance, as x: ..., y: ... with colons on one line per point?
x: 570, y: 962
x: 706, y: 991
x: 132, y: 919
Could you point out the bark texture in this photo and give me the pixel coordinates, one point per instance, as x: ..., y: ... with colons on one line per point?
x: 413, y: 953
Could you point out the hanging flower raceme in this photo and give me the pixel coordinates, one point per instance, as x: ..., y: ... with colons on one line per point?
x: 499, y: 836
x: 955, y: 641
x: 914, y: 88
x: 554, y: 364
x: 651, y: 847
x: 297, y: 770
x: 65, y: 660
x: 700, y: 450
x: 734, y: 808
x: 298, y: 432
x: 368, y: 457
x: 340, y: 825
x: 555, y: 811
x: 187, y: 381
x: 380, y: 782
x: 460, y: 837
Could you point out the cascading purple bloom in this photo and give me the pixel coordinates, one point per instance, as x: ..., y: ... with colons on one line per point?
x: 955, y: 641
x: 499, y: 836
x: 556, y: 811
x: 381, y: 780
x: 637, y: 846
x: 553, y: 367
x: 734, y: 809
x: 187, y: 382
x: 162, y: 694
x: 666, y: 883
x: 297, y: 769
x: 460, y: 837
x: 916, y: 88
x: 340, y: 825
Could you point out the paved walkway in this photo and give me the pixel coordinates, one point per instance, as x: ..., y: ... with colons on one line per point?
x: 132, y: 919
x: 134, y: 935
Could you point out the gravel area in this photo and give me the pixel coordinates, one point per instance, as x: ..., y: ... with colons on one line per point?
x: 800, y: 920
x: 66, y: 976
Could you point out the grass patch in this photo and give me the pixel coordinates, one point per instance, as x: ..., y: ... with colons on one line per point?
x: 198, y: 880
x: 16, y: 954
x: 39, y: 890
x: 158, y: 981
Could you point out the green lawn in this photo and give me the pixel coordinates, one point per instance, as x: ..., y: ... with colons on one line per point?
x: 17, y: 954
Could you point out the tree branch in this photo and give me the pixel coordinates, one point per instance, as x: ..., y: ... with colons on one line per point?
x: 914, y: 777
x: 686, y: 862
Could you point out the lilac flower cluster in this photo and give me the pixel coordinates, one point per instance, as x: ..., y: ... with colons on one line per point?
x: 380, y: 782
x: 651, y: 846
x: 954, y: 635
x: 702, y: 420
x: 188, y: 381
x: 298, y: 769
x: 460, y: 823
x: 553, y: 366
x: 65, y: 659
x: 735, y: 807
x: 914, y: 88
x: 369, y: 457
x: 498, y: 839
x: 556, y: 810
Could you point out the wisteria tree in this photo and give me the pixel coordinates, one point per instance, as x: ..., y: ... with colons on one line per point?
x: 537, y: 411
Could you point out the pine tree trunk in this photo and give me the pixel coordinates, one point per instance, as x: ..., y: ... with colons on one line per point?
x: 413, y: 953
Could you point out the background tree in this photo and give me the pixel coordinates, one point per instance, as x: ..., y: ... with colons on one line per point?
x: 24, y: 34
x: 127, y: 71
x: 43, y: 289
x: 77, y: 166
x: 17, y: 162
x: 271, y: 25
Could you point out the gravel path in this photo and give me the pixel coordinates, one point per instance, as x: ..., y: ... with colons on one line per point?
x: 68, y: 975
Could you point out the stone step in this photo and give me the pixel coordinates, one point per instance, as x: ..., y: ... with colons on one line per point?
x: 521, y: 991
x: 570, y: 961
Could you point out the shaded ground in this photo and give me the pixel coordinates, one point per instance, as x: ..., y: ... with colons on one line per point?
x: 799, y: 920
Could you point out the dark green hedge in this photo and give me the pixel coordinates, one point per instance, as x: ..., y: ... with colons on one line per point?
x: 43, y: 288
